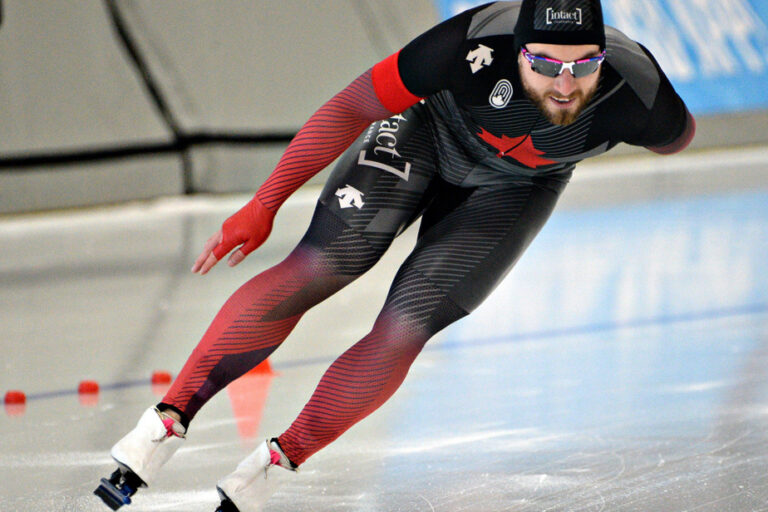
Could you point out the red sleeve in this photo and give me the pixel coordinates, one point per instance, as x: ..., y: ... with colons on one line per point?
x: 424, y: 66
x: 377, y: 94
x: 389, y: 86
x: 325, y: 136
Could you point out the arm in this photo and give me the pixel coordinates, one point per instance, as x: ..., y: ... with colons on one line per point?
x: 390, y: 87
x: 387, y: 89
x: 376, y: 94
x: 682, y: 141
x: 670, y: 127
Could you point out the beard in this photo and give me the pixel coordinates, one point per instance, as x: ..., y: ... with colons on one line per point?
x: 560, y: 116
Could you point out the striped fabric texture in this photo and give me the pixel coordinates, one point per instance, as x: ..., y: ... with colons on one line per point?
x: 323, y: 138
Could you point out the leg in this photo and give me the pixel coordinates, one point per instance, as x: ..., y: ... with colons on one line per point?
x: 373, y: 193
x: 390, y: 180
x: 469, y: 240
x: 369, y: 198
x: 260, y: 315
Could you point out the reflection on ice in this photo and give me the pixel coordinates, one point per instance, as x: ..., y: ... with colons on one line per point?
x: 621, y: 366
x: 661, y: 259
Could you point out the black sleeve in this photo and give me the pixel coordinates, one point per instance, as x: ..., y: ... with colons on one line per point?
x: 426, y: 64
x: 670, y: 126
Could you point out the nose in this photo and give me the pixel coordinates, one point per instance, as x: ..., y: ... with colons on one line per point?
x: 565, y: 83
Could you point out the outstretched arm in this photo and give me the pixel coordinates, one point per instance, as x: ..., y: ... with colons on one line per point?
x: 682, y: 141
x: 376, y: 94
x: 671, y: 127
x: 421, y: 68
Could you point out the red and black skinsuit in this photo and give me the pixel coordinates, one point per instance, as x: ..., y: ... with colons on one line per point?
x: 483, y: 172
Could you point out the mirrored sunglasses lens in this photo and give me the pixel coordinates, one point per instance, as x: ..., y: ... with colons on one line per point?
x: 546, y: 68
x: 585, y: 68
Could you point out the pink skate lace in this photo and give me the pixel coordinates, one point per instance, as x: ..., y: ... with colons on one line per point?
x: 274, y: 460
x: 168, y: 423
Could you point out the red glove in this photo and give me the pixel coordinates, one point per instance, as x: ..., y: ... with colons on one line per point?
x: 247, y: 228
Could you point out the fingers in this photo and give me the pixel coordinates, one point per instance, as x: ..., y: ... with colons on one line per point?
x: 236, y: 258
x: 209, y: 257
x: 208, y: 264
x: 245, y: 249
x: 206, y: 254
x: 211, y: 260
x: 245, y: 229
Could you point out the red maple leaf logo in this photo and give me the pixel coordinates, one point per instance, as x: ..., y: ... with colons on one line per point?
x: 519, y: 148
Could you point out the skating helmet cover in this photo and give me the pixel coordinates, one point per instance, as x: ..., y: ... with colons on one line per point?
x: 560, y: 22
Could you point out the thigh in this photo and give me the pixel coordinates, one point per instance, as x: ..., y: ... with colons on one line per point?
x: 470, y: 239
x: 384, y: 181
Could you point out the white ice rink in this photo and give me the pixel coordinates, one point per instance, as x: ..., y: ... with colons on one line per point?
x: 622, y: 365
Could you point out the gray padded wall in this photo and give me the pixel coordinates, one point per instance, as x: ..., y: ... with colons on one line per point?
x: 65, y: 85
x: 224, y: 66
x: 64, y: 82
x: 259, y: 67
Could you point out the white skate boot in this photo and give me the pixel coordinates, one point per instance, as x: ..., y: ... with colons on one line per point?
x: 256, y: 478
x: 139, y: 455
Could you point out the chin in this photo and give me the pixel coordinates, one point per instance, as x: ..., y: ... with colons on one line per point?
x: 562, y: 117
x: 558, y: 115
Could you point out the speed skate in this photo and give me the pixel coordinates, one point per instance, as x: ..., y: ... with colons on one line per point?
x: 139, y: 456
x: 255, y: 479
x: 117, y: 490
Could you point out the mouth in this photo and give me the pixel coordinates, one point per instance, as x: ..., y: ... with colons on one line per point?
x: 562, y: 102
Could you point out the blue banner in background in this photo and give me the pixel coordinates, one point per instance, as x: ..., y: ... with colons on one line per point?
x: 715, y: 52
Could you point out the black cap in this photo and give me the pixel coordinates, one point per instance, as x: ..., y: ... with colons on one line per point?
x: 560, y: 22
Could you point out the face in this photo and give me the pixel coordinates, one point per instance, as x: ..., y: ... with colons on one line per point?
x: 561, y: 99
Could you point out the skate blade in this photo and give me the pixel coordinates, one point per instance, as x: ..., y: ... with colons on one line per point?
x: 111, y: 495
x: 227, y: 506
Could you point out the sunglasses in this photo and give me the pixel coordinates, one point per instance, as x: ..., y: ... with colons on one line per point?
x: 552, y: 68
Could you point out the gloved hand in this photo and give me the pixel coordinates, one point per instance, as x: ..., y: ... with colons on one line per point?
x: 247, y: 228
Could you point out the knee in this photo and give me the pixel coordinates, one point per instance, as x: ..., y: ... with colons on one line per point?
x: 335, y: 248
x: 419, y: 304
x: 408, y: 326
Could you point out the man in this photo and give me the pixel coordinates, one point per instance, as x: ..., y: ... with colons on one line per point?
x: 514, y: 96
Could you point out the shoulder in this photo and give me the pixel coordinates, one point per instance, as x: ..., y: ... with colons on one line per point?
x: 447, y: 48
x: 495, y: 19
x: 667, y: 126
x: 488, y: 20
x: 633, y: 64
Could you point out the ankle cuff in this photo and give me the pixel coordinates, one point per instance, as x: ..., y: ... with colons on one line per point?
x: 162, y: 407
x: 275, y: 440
